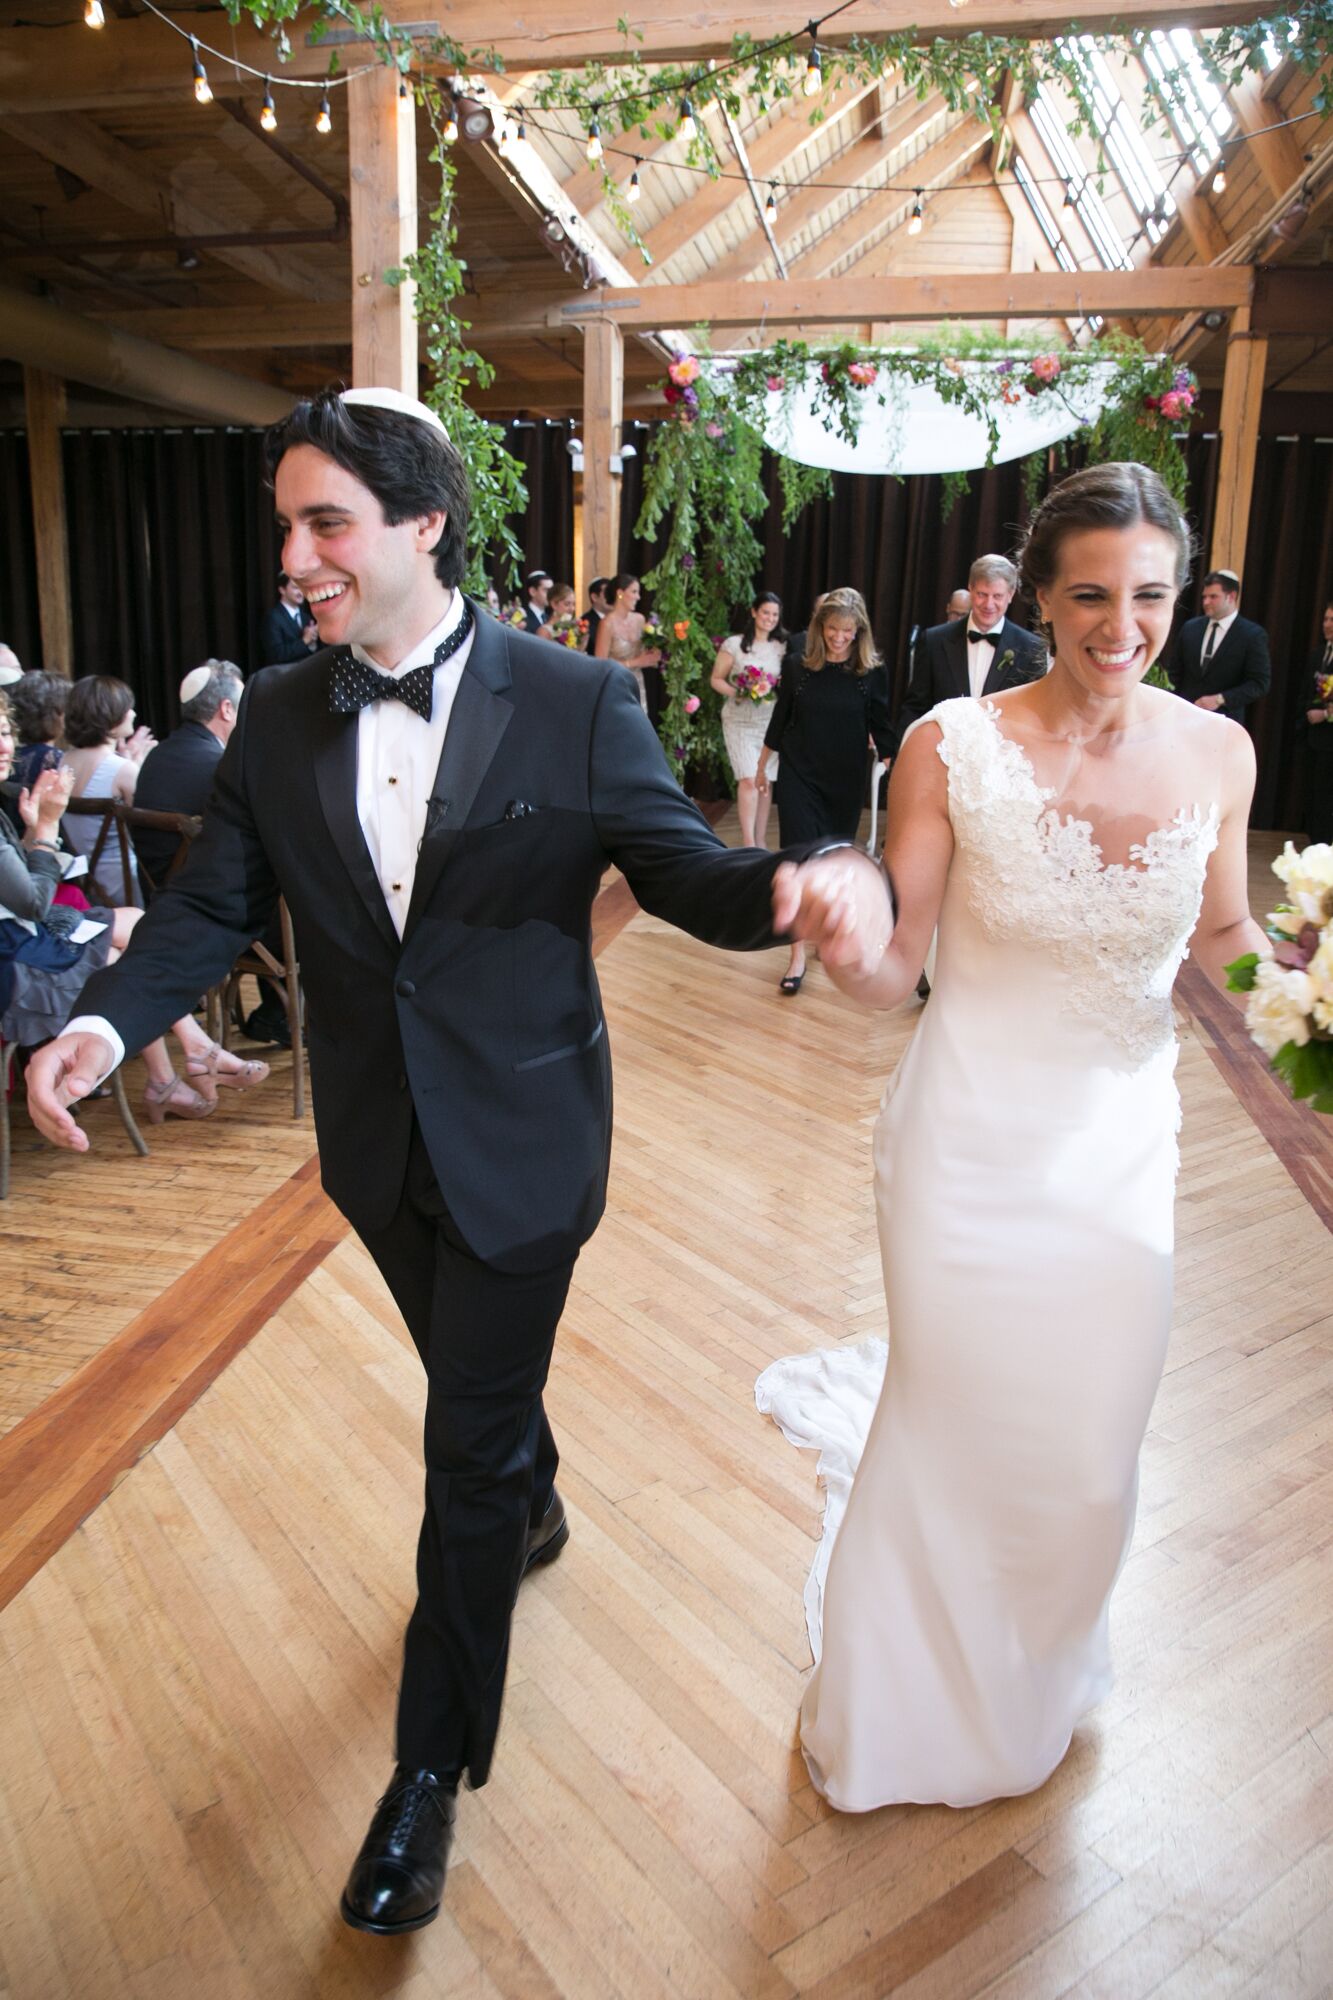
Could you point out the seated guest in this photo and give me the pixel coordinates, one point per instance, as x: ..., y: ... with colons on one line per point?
x: 977, y: 655
x: 178, y: 776
x: 43, y: 969
x: 105, y: 752
x: 37, y: 704
x: 599, y: 603
x: 10, y: 669
x: 288, y: 631
x: 537, y: 587
x: 1317, y: 735
x: 1220, y: 661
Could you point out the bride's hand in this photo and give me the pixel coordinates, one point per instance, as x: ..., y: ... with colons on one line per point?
x: 839, y: 902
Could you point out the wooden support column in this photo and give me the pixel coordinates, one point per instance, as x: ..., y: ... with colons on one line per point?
x: 383, y: 166
x: 44, y: 398
x: 1242, y: 395
x: 603, y: 409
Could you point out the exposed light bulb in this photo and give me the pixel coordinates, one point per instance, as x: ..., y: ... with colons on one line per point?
x: 914, y: 225
x: 593, y: 149
x: 521, y: 136
x: 1220, y: 180
x: 93, y: 17
x: 633, y: 191
x: 503, y: 139
x: 771, y: 205
x: 814, y: 72
x: 958, y: 3
x: 268, y: 117
x: 402, y: 88
x: 324, y: 122
x: 1068, y: 201
x: 686, y: 129
x: 202, y: 93
x: 450, y: 132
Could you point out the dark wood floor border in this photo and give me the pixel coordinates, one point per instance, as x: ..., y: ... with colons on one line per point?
x: 1301, y: 1138
x: 60, y: 1462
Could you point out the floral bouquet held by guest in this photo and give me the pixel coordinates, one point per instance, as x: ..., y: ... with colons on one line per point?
x: 1290, y: 1009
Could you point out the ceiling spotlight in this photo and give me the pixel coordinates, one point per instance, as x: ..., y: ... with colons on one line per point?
x: 553, y: 229
x: 593, y: 149
x: 687, y: 129
x: 914, y: 225
x: 202, y: 93
x: 628, y: 450
x: 93, y: 17
x: 268, y: 116
x: 814, y: 72
x: 771, y: 205
x: 324, y: 122
x: 634, y: 191
x: 1220, y: 179
x: 1214, y: 320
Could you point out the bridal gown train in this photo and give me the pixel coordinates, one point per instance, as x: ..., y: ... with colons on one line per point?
x: 1025, y: 1160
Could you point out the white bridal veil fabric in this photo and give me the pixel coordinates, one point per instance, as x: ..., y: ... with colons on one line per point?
x: 1025, y: 1160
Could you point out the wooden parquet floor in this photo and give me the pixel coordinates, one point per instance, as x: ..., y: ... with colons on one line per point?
x: 197, y: 1687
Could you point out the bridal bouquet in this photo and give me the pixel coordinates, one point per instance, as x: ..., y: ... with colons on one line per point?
x: 1290, y: 1009
x: 753, y: 683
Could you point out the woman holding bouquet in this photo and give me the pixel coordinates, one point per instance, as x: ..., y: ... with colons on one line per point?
x: 746, y: 672
x: 620, y: 634
x: 1070, y: 838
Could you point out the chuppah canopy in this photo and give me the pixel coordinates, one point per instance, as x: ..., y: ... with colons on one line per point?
x: 908, y: 427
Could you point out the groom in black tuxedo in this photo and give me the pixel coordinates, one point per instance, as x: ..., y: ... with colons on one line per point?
x: 437, y: 796
x: 975, y: 655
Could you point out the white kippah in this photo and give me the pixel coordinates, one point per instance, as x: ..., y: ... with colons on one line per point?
x: 397, y: 401
x: 195, y: 682
x: 8, y: 675
x: 1229, y: 575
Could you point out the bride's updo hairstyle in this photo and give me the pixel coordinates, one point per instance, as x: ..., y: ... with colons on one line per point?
x: 1119, y: 495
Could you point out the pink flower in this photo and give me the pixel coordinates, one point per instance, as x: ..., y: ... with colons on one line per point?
x: 691, y: 704
x: 684, y: 370
x: 1173, y: 404
x: 863, y: 373
x: 713, y: 430
x: 776, y: 382
x: 1046, y: 367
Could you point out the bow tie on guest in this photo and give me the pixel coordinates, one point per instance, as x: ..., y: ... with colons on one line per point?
x: 982, y: 638
x: 353, y: 685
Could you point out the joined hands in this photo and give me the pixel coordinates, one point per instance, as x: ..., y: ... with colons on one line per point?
x: 840, y: 903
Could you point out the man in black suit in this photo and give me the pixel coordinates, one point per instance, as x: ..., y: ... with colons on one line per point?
x: 536, y: 611
x: 288, y: 632
x: 1221, y: 660
x: 178, y: 775
x: 598, y: 606
x: 437, y: 797
x: 976, y: 655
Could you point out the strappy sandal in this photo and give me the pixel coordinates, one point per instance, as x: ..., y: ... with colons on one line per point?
x: 245, y: 1077
x: 175, y: 1098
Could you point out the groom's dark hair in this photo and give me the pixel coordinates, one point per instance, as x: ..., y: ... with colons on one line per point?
x: 411, y: 468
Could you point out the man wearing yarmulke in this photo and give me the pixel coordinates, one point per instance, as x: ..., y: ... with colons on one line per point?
x: 1221, y: 660
x: 178, y: 775
x: 437, y: 797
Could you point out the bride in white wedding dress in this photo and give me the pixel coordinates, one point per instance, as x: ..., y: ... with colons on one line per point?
x: 1070, y: 839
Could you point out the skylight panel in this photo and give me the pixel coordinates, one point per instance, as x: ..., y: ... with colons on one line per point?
x: 1068, y: 162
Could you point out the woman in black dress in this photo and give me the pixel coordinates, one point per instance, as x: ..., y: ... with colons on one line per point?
x: 832, y: 704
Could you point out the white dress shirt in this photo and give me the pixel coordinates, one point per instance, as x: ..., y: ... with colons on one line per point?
x: 1223, y: 625
x: 397, y: 755
x: 980, y: 659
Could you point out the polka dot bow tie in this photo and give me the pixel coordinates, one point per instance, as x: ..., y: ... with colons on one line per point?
x: 353, y: 684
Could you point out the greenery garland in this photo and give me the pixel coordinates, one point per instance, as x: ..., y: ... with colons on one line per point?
x: 703, y: 471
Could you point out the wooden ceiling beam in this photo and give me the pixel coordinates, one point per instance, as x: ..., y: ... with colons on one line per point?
x: 940, y: 162
x: 67, y: 68
x: 81, y: 147
x: 1277, y: 153
x: 769, y: 153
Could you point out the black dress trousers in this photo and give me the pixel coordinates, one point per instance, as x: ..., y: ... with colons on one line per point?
x: 485, y: 1340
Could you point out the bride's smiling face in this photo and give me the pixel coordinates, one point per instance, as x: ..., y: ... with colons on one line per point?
x: 1111, y: 605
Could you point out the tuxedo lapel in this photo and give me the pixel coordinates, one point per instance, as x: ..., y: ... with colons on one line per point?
x: 335, y: 778
x: 995, y: 680
x: 482, y: 711
x: 955, y: 652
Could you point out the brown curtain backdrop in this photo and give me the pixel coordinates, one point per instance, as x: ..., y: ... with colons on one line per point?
x: 173, y: 556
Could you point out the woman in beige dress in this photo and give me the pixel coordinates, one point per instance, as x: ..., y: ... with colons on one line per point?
x: 620, y: 634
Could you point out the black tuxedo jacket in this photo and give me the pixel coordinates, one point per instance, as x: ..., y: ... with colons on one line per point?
x: 176, y: 777
x: 939, y: 668
x: 485, y: 1018
x: 1239, y: 670
x: 280, y: 637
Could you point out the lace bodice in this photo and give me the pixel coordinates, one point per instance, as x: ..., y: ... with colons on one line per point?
x: 1118, y: 930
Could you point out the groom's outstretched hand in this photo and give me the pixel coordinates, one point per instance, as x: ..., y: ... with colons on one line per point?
x: 61, y: 1074
x: 840, y: 903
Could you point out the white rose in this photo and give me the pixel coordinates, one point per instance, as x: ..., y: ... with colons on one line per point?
x: 1279, y: 1007
x: 1290, y: 922
x: 1320, y: 973
x: 1312, y: 865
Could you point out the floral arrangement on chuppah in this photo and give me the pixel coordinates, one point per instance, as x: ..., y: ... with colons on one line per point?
x: 1290, y: 1009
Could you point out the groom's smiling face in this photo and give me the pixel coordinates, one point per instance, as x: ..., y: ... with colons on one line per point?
x: 366, y: 582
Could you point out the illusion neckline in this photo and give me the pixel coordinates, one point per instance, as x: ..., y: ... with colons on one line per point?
x: 1183, y: 818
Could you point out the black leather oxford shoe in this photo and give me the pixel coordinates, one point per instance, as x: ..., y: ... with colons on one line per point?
x: 398, y: 1877
x: 546, y: 1540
